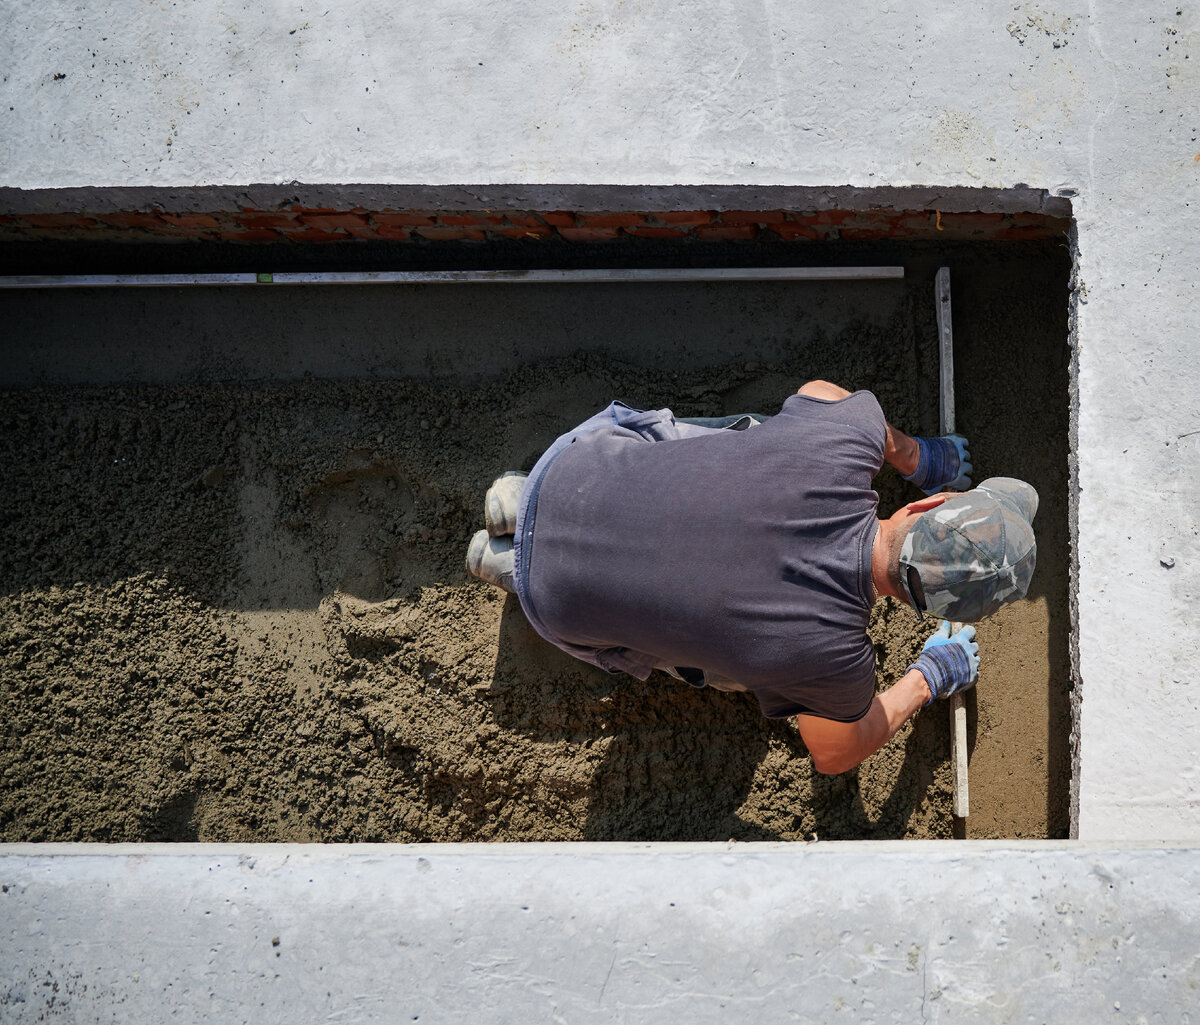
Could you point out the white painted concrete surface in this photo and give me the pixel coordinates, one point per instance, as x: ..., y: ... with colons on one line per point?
x: 1101, y: 98
x: 860, y: 932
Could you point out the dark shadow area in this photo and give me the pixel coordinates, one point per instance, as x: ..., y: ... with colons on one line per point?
x: 174, y: 821
x: 842, y: 813
x: 191, y: 336
x: 194, y: 257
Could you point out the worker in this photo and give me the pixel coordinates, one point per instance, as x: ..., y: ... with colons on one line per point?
x: 745, y: 553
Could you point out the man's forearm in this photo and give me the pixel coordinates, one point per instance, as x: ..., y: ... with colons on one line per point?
x: 901, y: 451
x: 839, y: 750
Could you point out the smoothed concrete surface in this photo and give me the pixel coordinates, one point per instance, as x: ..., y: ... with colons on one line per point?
x: 875, y: 932
x: 341, y: 332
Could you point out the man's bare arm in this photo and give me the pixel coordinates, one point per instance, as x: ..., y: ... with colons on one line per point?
x: 840, y: 746
x: 948, y: 663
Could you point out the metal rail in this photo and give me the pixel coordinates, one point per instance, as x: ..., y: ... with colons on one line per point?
x: 958, y: 709
x: 454, y: 277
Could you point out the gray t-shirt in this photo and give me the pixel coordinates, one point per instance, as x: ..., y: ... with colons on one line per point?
x: 746, y: 554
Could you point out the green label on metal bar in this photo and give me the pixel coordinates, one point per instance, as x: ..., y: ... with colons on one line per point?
x: 265, y: 279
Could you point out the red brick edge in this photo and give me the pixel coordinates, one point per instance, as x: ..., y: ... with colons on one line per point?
x: 297, y: 224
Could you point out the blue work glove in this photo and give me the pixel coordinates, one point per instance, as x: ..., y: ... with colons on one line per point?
x: 944, y: 462
x: 949, y: 661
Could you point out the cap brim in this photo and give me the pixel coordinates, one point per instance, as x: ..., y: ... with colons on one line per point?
x: 906, y: 567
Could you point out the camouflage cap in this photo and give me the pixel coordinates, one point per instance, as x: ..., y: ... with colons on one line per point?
x: 974, y: 552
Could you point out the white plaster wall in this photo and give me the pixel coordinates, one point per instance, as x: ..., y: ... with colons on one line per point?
x: 719, y: 91
x: 1097, y: 97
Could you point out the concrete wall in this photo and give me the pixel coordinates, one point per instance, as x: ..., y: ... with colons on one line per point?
x: 1094, y: 101
x: 809, y: 933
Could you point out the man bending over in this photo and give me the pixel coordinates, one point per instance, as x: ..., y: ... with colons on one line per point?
x: 745, y: 554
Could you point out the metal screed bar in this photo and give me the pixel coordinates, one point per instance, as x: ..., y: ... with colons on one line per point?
x: 455, y: 277
x: 958, y: 710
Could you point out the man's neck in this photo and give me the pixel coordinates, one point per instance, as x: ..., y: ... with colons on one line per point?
x: 881, y: 570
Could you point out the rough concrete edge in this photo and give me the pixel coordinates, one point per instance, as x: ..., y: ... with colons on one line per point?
x: 953, y: 849
x: 1076, y: 293
x: 948, y: 199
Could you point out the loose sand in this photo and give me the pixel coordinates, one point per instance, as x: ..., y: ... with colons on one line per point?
x: 235, y: 613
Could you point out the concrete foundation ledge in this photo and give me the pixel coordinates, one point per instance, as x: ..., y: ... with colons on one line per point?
x: 861, y: 932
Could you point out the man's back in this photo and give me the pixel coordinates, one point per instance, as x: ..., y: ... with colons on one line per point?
x: 744, y: 553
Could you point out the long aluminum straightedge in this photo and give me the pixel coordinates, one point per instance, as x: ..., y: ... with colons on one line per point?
x: 456, y: 277
x: 958, y: 710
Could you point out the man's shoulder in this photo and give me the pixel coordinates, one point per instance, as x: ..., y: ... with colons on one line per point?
x: 857, y: 416
x: 860, y: 405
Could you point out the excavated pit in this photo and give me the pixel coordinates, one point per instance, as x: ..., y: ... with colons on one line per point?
x: 232, y: 600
